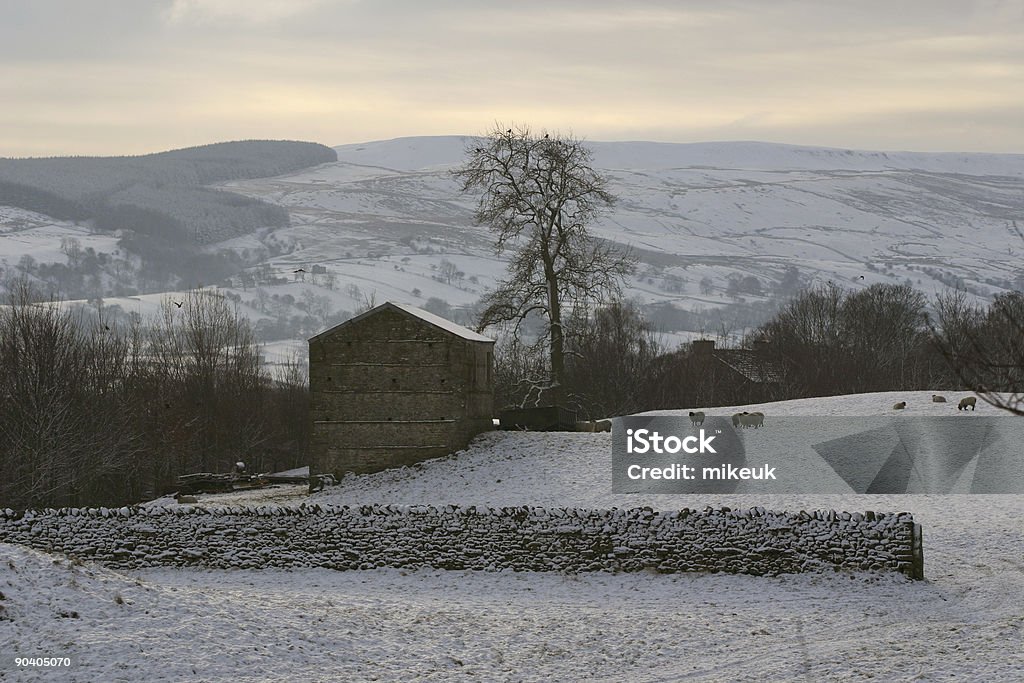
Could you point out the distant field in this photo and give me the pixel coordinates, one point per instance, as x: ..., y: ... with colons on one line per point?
x: 723, y: 231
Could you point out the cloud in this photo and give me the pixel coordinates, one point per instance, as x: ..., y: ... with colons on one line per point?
x: 935, y: 74
x: 247, y: 11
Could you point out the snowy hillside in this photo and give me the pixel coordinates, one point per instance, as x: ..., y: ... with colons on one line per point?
x: 388, y: 222
x: 691, y: 211
x: 34, y: 235
x: 965, y: 622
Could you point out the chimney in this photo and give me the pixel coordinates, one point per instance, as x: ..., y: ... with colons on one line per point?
x: 702, y: 347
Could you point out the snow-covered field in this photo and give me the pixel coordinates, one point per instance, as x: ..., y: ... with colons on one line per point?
x: 387, y: 219
x: 689, y: 210
x: 25, y: 233
x: 965, y: 622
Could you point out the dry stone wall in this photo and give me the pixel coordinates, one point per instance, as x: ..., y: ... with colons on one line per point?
x: 754, y: 541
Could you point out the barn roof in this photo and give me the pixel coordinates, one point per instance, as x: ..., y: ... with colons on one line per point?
x: 751, y: 365
x: 426, y: 316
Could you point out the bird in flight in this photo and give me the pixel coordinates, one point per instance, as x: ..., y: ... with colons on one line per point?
x: 300, y: 270
x: 179, y: 304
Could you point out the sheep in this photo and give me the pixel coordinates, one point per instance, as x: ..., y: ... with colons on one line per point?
x: 737, y: 418
x: 938, y: 399
x: 187, y: 500
x: 754, y: 420
x: 899, y: 406
x: 603, y: 426
x: 969, y: 401
x: 696, y: 418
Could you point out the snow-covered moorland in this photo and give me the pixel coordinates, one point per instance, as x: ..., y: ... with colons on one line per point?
x: 965, y: 622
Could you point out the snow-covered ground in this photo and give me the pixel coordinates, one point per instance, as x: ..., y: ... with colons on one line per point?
x: 28, y: 233
x: 384, y: 218
x: 565, y: 469
x: 690, y: 211
x: 965, y: 622
x: 387, y: 221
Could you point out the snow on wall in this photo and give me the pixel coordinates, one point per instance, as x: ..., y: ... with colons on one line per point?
x: 754, y: 541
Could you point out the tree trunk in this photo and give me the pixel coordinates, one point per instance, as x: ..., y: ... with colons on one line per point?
x: 556, y: 393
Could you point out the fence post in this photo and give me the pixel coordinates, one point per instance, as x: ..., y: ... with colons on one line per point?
x: 917, y: 550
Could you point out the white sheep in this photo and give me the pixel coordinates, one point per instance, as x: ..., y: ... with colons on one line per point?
x: 696, y: 418
x: 968, y: 402
x: 938, y: 399
x: 754, y: 420
x: 899, y: 406
x: 737, y: 419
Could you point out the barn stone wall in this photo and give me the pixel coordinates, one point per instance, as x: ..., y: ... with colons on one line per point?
x: 754, y: 541
x: 390, y: 390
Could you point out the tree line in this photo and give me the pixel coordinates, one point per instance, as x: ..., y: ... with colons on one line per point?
x: 95, y: 413
x: 824, y: 341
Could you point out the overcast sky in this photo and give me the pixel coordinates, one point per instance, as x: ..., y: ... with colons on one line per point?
x: 132, y: 76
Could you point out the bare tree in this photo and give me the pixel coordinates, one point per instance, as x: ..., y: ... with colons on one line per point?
x: 540, y: 193
x: 209, y: 395
x: 985, y: 346
x: 448, y: 270
x: 519, y: 372
x: 95, y: 414
x: 840, y: 341
x: 610, y: 369
x: 63, y: 432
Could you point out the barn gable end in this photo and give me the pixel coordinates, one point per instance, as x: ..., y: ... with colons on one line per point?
x: 394, y: 386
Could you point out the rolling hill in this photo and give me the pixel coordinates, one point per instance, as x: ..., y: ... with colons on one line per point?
x: 723, y: 231
x: 719, y: 211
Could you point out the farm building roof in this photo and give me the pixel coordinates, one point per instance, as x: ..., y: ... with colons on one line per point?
x: 752, y: 365
x: 425, y: 316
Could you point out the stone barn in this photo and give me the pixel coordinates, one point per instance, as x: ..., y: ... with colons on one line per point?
x: 394, y: 386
